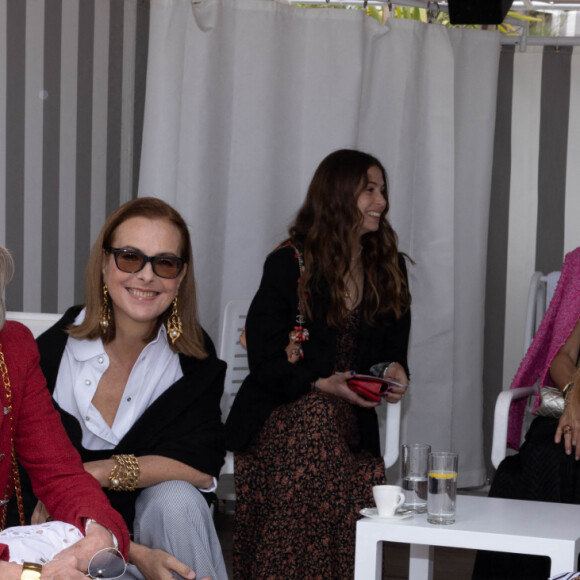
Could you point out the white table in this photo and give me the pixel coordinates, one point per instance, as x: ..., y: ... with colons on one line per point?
x: 482, y: 523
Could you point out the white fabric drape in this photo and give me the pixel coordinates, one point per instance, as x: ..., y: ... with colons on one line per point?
x: 245, y: 98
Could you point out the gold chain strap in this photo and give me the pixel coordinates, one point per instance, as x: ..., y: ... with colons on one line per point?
x: 14, y: 463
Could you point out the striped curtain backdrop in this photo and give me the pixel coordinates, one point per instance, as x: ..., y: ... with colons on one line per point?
x: 72, y: 89
x: 535, y: 197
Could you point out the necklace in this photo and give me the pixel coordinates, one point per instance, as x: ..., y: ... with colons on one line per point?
x: 347, y: 292
x: 353, y: 274
x: 300, y: 332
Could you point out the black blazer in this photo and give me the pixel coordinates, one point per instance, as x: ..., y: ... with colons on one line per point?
x: 274, y: 381
x: 184, y: 423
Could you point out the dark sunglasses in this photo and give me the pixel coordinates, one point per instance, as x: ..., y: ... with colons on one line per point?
x: 133, y: 261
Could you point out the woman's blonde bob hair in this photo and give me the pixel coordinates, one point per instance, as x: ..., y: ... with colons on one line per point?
x: 191, y: 341
x: 6, y: 273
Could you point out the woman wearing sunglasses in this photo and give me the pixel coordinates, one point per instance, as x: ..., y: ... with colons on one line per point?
x: 138, y: 385
x: 32, y: 433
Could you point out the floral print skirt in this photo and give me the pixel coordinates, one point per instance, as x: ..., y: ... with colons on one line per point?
x: 299, y: 489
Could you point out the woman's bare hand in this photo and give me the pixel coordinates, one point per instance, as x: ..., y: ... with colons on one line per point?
x: 568, y: 430
x: 97, y: 538
x: 157, y: 564
x: 396, y: 372
x: 63, y: 567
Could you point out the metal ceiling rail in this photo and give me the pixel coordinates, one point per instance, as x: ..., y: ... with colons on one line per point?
x: 524, y: 41
x: 518, y: 5
x: 404, y: 3
x: 544, y: 40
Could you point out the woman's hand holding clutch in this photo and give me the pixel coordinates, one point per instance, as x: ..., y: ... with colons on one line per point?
x: 398, y: 382
x: 337, y: 385
x: 390, y: 384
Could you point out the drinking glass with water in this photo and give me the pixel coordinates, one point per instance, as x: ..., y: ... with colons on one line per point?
x: 414, y: 467
x: 442, y: 490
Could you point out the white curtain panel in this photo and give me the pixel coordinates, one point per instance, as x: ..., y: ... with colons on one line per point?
x: 246, y: 97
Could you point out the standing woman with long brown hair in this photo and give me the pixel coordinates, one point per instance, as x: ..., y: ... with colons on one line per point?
x: 333, y: 300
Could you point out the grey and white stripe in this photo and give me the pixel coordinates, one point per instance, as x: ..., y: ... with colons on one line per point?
x: 497, y: 242
x: 535, y: 204
x: 72, y: 90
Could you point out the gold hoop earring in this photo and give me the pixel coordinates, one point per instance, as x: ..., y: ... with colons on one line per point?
x: 174, y: 327
x: 105, y: 319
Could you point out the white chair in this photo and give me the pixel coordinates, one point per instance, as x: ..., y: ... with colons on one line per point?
x: 390, y: 428
x: 37, y: 322
x: 236, y: 357
x: 540, y: 294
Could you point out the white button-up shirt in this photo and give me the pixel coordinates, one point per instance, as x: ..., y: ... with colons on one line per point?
x: 83, y: 364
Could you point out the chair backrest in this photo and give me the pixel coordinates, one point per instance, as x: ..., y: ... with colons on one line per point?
x: 390, y: 430
x: 236, y: 357
x: 540, y: 293
x: 37, y: 322
x: 232, y: 352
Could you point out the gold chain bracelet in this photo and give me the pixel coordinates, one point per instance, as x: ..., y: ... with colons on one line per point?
x: 125, y: 474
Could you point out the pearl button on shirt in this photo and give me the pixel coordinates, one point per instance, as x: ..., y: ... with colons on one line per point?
x: 83, y: 364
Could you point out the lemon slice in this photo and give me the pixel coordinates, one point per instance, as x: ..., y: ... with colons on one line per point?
x: 438, y: 475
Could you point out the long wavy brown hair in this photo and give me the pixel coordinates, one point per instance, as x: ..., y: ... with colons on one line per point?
x: 323, y: 231
x: 191, y: 341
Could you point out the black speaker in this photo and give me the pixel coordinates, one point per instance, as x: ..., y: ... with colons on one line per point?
x: 478, y: 11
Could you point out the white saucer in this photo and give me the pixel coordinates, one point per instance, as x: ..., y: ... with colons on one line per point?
x: 373, y: 513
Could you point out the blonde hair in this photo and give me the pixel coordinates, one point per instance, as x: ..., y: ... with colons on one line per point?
x: 191, y: 341
x: 6, y: 273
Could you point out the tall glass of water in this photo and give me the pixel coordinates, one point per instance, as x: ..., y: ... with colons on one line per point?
x: 414, y: 467
x: 442, y: 492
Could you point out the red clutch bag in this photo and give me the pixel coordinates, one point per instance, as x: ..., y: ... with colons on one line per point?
x: 368, y: 387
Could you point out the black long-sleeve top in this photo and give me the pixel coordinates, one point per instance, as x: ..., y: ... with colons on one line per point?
x: 184, y: 423
x: 274, y: 381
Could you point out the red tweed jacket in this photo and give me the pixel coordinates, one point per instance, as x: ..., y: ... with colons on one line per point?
x: 58, y: 478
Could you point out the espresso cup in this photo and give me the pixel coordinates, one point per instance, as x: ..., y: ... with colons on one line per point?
x: 388, y: 498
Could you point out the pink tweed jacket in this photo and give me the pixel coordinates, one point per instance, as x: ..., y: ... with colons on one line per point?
x: 557, y: 325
